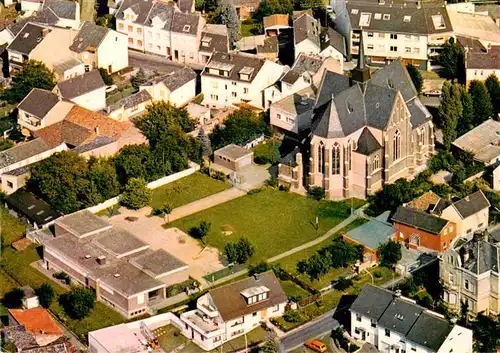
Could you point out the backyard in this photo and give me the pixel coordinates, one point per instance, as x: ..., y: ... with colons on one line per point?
x: 272, y: 220
x: 188, y: 189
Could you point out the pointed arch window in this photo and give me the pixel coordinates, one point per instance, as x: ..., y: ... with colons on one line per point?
x: 321, y: 158
x: 336, y: 159
x: 421, y: 137
x: 396, y: 145
x: 349, y: 156
x: 375, y: 163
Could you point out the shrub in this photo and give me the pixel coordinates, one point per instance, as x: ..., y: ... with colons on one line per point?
x: 258, y: 268
x: 45, y: 294
x: 254, y: 191
x: 343, y: 283
x: 292, y: 316
x: 239, y: 252
x: 316, y: 193
x: 13, y: 299
x: 218, y: 175
x: 62, y: 276
x: 78, y: 303
x: 108, y: 80
x: 136, y: 194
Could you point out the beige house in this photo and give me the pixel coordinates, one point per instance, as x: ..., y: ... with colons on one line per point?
x: 306, y: 35
x: 482, y: 141
x: 469, y: 274
x: 125, y: 272
x: 130, y: 106
x: 233, y: 157
x: 87, y: 90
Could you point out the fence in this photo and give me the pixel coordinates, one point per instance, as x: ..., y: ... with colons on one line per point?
x: 193, y: 167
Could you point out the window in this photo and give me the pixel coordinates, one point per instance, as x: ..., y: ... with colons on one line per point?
x: 466, y: 284
x: 376, y: 163
x: 407, y: 37
x: 386, y: 17
x: 233, y: 83
x: 131, y: 41
x: 394, y: 36
x: 290, y: 120
x: 469, y: 230
x: 406, y: 18
x: 381, y: 35
x: 358, y: 317
x: 214, y: 97
x: 225, y: 87
x: 480, y: 225
x: 369, y: 47
x: 139, y: 43
x: 451, y: 278
x: 421, y: 137
x: 158, y: 47
x: 130, y: 28
x: 407, y: 50
x: 387, y: 333
x: 10, y: 185
x: 357, y: 331
x: 336, y: 167
x: 393, y: 48
x: 120, y: 26
x: 278, y: 116
x: 139, y: 30
x: 140, y: 299
x: 191, y: 55
x: 321, y: 158
x: 370, y: 34
x: 277, y: 308
x: 354, y: 11
x: 416, y: 50
x: 378, y: 16
x: 217, y: 339
x: 245, y: 90
x: 396, y: 146
x: 234, y: 94
x: 251, y: 9
x: 254, y: 314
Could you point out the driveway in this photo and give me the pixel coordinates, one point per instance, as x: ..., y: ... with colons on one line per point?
x: 201, y: 261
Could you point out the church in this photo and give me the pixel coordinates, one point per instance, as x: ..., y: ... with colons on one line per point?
x: 366, y: 130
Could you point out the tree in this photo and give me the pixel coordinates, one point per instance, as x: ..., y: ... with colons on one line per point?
x: 493, y: 86
x: 13, y: 298
x: 228, y: 16
x: 449, y: 112
x: 167, y: 209
x: 108, y: 80
x: 136, y: 194
x: 464, y: 313
x: 34, y: 74
x: 201, y: 231
x: 230, y: 252
x: 480, y: 101
x: 310, y: 4
x: 292, y: 316
x: 390, y: 197
x: 244, y: 250
x: 102, y: 175
x: 139, y: 79
x: 271, y: 7
x: 451, y: 60
x: 137, y: 161
x: 78, y: 303
x: 45, y: 294
x: 269, y: 347
x: 486, y: 333
x: 390, y: 253
x: 343, y: 283
x: 466, y: 121
x: 416, y: 77
x: 106, y: 20
x: 204, y: 140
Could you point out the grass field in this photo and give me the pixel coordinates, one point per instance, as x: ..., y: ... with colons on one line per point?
x: 272, y: 220
x: 11, y: 228
x: 293, y: 290
x: 183, y: 191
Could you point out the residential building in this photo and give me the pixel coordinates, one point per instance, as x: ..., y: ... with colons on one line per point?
x: 131, y: 17
x: 64, y: 13
x: 467, y: 23
x: 233, y: 310
x: 366, y: 131
x: 186, y: 36
x: 130, y: 106
x: 293, y: 114
x: 177, y: 88
x: 412, y: 31
x: 101, y: 47
x: 335, y: 47
x: 213, y: 38
x: 496, y: 178
x: 125, y: 273
x: 41, y: 108
x: 233, y: 157
x: 306, y: 33
x: 245, y: 8
x: 469, y: 274
x: 23, y: 341
x: 87, y: 90
x: 261, y: 45
x: 420, y: 229
x: 275, y: 24
x: 199, y: 113
x: 38, y: 322
x: 480, y: 61
x: 30, y: 299
x: 394, y: 323
x: 29, y: 208
x: 482, y: 141
x: 233, y: 78
x: 370, y: 236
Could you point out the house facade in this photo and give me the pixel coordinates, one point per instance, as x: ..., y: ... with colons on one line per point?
x: 233, y: 310
x: 393, y: 323
x: 306, y: 35
x: 87, y: 90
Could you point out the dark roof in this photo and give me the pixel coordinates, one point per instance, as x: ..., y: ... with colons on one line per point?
x: 395, y: 76
x: 157, y: 263
x: 367, y: 143
x: 46, y: 17
x: 306, y: 27
x: 185, y: 5
x: 140, y: 8
x: 336, y: 40
x: 164, y: 11
x: 483, y: 255
x: 231, y: 304
x: 38, y: 102
x: 19, y: 336
x: 271, y: 45
x: 400, y: 315
x: 304, y: 63
x: 89, y: 37
x: 484, y: 60
x: 332, y: 83
x: 18, y: 171
x: 61, y: 8
x: 175, y: 79
x: 472, y: 44
x: 23, y: 151
x: 431, y: 17
x: 214, y: 38
x: 99, y: 141
x: 135, y: 99
x: 471, y: 204
x: 419, y: 113
x: 236, y: 62
x: 27, y: 39
x: 80, y: 85
x: 186, y: 23
x: 429, y: 332
x: 419, y: 220
x: 31, y: 207
x: 372, y: 302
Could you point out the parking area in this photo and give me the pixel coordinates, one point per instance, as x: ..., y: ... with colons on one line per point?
x: 201, y: 261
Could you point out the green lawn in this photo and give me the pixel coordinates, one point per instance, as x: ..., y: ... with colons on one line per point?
x: 226, y: 271
x: 188, y: 189
x: 120, y: 94
x: 272, y: 220
x: 11, y: 228
x: 6, y: 283
x: 293, y: 290
x: 169, y: 337
x: 17, y: 265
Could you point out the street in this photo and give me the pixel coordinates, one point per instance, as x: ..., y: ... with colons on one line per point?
x: 322, y: 325
x: 151, y: 62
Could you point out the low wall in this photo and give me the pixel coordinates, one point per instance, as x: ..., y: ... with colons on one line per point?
x: 193, y: 167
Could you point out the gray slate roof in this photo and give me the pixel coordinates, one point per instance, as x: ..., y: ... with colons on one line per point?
x: 38, y: 102
x: 373, y: 233
x: 23, y: 151
x: 89, y: 37
x: 306, y: 27
x: 367, y: 143
x: 185, y: 5
x: 336, y: 40
x: 33, y: 208
x: 186, y: 23
x: 214, y: 38
x: 157, y: 263
x: 238, y: 61
x: 61, y: 8
x: 303, y: 64
x: 140, y: 8
x: 83, y: 223
x: 27, y: 39
x: 471, y: 204
x: 175, y: 79
x: 419, y: 220
x: 80, y: 85
x: 298, y: 103
x: 164, y: 11
x: 135, y: 99
x: 412, y: 321
x: 483, y: 256
x: 233, y: 152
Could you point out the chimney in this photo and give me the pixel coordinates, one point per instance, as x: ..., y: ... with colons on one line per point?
x: 101, y: 260
x: 45, y: 31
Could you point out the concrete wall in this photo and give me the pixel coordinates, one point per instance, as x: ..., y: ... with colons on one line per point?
x: 95, y: 100
x: 113, y: 52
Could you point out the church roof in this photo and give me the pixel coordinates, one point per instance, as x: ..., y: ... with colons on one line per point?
x: 367, y: 143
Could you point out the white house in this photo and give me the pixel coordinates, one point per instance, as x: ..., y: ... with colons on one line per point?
x: 177, y: 88
x: 186, y: 35
x: 130, y: 106
x: 306, y: 31
x: 100, y: 47
x: 233, y: 78
x: 64, y: 13
x: 393, y: 323
x: 87, y: 90
x: 496, y: 178
x: 232, y: 310
x: 335, y: 47
x: 294, y: 112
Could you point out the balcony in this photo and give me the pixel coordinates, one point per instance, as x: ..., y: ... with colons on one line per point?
x: 209, y: 326
x: 208, y: 310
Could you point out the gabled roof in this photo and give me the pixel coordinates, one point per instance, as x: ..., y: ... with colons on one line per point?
x: 367, y: 143
x: 306, y: 27
x: 483, y: 256
x: 336, y: 40
x: 276, y: 20
x: 135, y: 99
x: 33, y: 208
x: 373, y: 233
x: 482, y: 141
x: 237, y: 62
x: 174, y: 80
x: 298, y: 103
x: 419, y: 220
x: 164, y: 11
x: 185, y: 5
x: 89, y: 37
x: 140, y: 8
x: 80, y: 85
x: 36, y: 320
x: 214, y: 38
x: 28, y: 38
x: 489, y: 59
x: 231, y: 304
x: 186, y: 23
x: 304, y: 63
x: 62, y: 8
x: 23, y: 151
x: 38, y: 102
x: 471, y: 204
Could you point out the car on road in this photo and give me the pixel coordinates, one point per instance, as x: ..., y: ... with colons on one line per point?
x: 316, y: 345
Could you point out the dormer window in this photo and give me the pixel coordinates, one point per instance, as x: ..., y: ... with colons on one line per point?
x: 245, y: 73
x: 254, y: 295
x: 186, y: 28
x: 205, y: 41
x: 386, y: 17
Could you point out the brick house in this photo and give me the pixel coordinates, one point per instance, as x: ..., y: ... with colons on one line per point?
x: 420, y: 229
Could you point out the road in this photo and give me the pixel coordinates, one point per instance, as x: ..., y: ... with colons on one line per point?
x: 322, y: 325
x: 151, y: 62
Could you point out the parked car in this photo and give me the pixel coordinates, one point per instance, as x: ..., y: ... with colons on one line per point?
x: 111, y: 89
x: 433, y: 93
x: 316, y: 345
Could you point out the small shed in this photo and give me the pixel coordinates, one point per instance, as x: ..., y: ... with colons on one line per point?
x: 30, y: 299
x: 25, y: 205
x: 233, y: 157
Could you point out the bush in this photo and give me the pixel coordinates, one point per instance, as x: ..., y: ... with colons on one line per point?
x: 62, y: 276
x: 136, y: 194
x: 255, y: 191
x: 239, y: 252
x: 78, y: 303
x: 316, y: 193
x: 45, y: 294
x: 218, y: 175
x: 343, y: 283
x: 201, y: 231
x: 13, y: 299
x: 292, y: 316
x: 262, y: 266
x: 108, y: 80
x: 181, y: 287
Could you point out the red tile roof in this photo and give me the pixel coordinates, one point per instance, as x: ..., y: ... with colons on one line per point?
x: 37, y: 321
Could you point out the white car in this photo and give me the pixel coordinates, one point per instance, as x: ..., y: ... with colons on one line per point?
x: 111, y: 89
